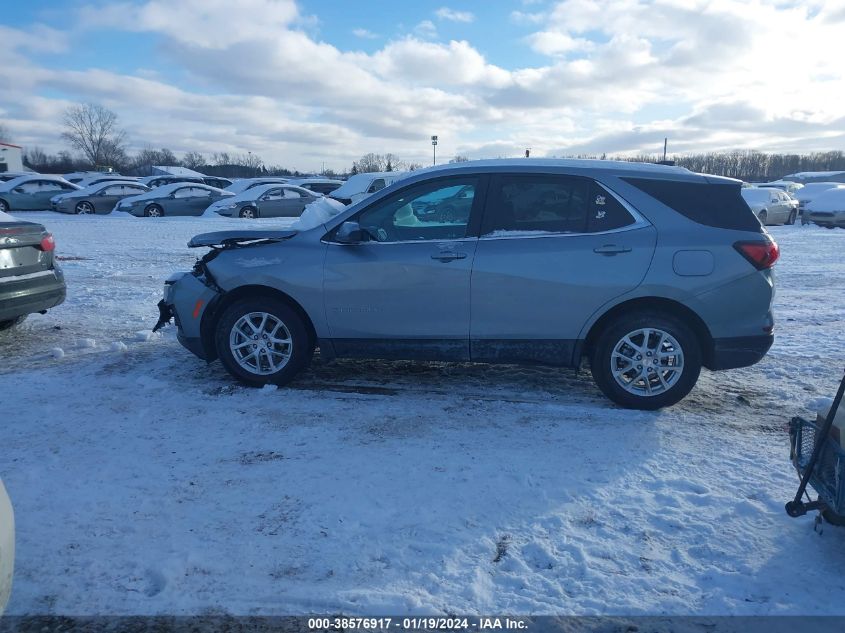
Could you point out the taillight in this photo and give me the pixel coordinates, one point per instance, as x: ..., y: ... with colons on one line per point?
x: 48, y: 244
x: 762, y: 255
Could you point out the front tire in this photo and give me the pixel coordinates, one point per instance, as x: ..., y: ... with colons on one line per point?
x: 646, y: 360
x: 154, y: 211
x: 10, y: 323
x: 84, y: 208
x: 262, y: 340
x: 248, y: 213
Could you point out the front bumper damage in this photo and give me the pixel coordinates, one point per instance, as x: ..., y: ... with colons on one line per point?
x: 187, y: 299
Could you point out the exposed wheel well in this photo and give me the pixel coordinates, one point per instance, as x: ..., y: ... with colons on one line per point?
x: 660, y: 304
x: 211, y: 315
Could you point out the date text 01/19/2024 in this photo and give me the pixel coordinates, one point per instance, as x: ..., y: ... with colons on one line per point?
x: 417, y: 623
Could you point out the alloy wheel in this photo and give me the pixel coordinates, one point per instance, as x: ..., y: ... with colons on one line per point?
x: 647, y: 362
x: 260, y: 343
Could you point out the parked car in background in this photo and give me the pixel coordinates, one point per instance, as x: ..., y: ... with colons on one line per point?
x: 30, y: 280
x: 7, y: 547
x: 180, y: 198
x: 770, y: 205
x: 32, y: 192
x: 361, y: 186
x: 827, y: 209
x: 324, y: 186
x: 77, y: 176
x: 247, y: 183
x: 84, y: 183
x: 449, y: 205
x: 97, y: 198
x: 5, y: 176
x: 267, y: 201
x: 216, y: 181
x: 809, y: 192
x: 649, y: 271
x: 784, y: 185
x: 158, y: 181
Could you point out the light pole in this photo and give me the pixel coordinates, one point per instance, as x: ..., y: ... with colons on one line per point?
x: 434, y: 150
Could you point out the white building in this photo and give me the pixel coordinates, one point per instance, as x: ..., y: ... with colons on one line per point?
x: 11, y: 157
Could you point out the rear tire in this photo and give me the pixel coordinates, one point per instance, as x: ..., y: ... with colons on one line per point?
x: 833, y: 518
x: 4, y: 206
x: 5, y: 325
x: 763, y: 216
x: 635, y: 358
x: 154, y: 211
x: 262, y: 340
x: 248, y: 213
x: 792, y: 216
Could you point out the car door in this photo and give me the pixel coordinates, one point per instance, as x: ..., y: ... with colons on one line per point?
x: 25, y: 195
x: 107, y: 197
x: 180, y: 201
x: 270, y: 203
x: 46, y: 189
x: 553, y: 250
x: 292, y: 202
x: 199, y: 200
x: 404, y: 292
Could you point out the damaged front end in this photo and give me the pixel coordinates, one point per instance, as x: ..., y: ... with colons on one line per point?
x: 189, y: 298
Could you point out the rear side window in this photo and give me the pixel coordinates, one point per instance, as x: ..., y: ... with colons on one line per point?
x: 537, y: 203
x: 709, y: 204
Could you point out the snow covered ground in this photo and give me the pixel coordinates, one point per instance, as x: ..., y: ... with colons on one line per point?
x: 146, y: 482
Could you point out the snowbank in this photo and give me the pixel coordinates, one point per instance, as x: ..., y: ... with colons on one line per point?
x: 5, y: 217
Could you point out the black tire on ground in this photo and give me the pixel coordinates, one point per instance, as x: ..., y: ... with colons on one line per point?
x: 763, y: 216
x: 833, y: 518
x: 4, y: 206
x: 792, y: 215
x: 5, y: 325
x: 612, y: 335
x: 302, y: 345
x: 154, y: 211
x: 248, y: 212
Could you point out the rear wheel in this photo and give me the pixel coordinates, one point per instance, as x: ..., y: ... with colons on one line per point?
x: 84, y: 207
x: 646, y: 360
x: 249, y: 213
x: 154, y: 211
x: 5, y: 325
x: 792, y: 215
x: 4, y: 206
x: 263, y: 340
x: 763, y: 216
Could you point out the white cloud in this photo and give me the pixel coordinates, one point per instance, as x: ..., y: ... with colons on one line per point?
x: 426, y: 29
x: 445, y: 13
x: 365, y: 34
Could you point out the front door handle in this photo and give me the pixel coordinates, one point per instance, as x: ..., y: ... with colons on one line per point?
x: 612, y: 249
x: 448, y: 256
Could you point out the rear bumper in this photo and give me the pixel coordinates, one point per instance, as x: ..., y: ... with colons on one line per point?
x: 740, y: 351
x: 18, y: 298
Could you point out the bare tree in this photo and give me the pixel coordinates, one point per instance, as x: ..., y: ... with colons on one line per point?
x: 192, y: 160
x: 459, y: 159
x: 93, y: 130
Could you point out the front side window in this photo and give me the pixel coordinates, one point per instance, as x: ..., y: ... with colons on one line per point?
x: 292, y: 193
x: 48, y: 185
x: 377, y: 185
x: 199, y: 192
x: 113, y: 190
x: 183, y: 192
x: 428, y: 211
x: 28, y: 187
x: 272, y: 194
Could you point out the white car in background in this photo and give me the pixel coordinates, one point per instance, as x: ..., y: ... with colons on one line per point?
x: 784, y: 185
x: 809, y: 192
x: 7, y: 547
x: 324, y: 186
x: 361, y: 186
x: 248, y: 183
x: 827, y: 209
x: 771, y: 206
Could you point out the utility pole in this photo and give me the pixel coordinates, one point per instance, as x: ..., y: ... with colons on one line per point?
x: 665, y: 143
x: 434, y: 150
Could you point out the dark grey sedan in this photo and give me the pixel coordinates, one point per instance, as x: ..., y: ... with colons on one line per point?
x: 181, y: 198
x: 267, y: 201
x: 29, y: 279
x: 98, y: 198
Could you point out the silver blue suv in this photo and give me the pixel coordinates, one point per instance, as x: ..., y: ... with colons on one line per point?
x: 648, y: 271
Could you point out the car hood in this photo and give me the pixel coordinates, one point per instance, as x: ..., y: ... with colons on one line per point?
x: 232, y: 238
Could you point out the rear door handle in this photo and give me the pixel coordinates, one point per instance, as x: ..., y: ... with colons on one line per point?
x: 448, y: 256
x: 612, y: 249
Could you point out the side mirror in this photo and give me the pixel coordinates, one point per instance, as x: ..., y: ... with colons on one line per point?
x: 351, y: 233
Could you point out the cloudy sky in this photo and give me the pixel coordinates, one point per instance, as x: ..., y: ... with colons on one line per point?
x: 320, y: 82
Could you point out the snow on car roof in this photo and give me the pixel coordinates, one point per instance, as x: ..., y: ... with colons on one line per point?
x: 169, y: 188
x: 831, y: 200
x: 11, y: 184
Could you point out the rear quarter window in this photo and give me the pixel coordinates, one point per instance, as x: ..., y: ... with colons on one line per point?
x: 717, y: 205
